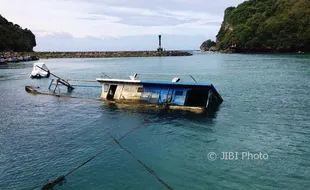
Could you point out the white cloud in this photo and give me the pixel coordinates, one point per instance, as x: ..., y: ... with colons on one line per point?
x: 107, y: 19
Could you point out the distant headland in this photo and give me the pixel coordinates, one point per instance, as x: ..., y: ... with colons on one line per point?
x: 269, y: 26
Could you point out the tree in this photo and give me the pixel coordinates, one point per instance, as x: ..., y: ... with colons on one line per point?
x: 267, y: 24
x: 210, y: 43
x: 13, y: 37
x: 206, y: 45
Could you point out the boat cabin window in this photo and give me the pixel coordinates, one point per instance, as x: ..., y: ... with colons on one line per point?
x: 140, y: 89
x: 179, y: 93
x: 106, y: 87
x: 154, y: 98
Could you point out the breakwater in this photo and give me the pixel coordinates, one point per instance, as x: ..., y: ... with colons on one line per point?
x: 107, y: 54
x: 15, y: 57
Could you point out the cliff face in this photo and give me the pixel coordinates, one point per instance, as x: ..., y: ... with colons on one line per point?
x: 267, y: 25
x: 14, y: 38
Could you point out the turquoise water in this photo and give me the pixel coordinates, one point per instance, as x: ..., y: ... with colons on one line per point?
x: 266, y: 110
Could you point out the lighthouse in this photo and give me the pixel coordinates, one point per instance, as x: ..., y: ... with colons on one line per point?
x: 159, y: 44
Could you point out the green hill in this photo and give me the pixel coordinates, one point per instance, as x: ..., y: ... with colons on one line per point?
x: 14, y: 38
x: 267, y: 25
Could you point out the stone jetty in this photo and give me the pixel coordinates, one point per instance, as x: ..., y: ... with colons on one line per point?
x: 15, y: 57
x: 108, y: 54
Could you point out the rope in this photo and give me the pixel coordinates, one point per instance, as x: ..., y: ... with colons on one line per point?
x: 62, y: 179
x: 144, y: 122
x: 77, y: 80
x: 91, y: 86
x: 79, y: 85
x: 73, y: 170
x: 152, y: 172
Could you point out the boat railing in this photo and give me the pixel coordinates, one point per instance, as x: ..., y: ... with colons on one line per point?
x: 149, y: 76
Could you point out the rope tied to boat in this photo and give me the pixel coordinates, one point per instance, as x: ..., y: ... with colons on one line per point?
x: 59, y: 181
x: 62, y: 179
x: 152, y: 172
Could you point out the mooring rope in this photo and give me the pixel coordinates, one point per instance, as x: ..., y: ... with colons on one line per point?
x: 89, y: 86
x: 79, y: 80
x: 144, y: 122
x: 140, y: 162
x: 62, y: 179
x: 78, y: 85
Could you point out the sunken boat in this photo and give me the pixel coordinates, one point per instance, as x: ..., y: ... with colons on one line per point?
x: 173, y: 94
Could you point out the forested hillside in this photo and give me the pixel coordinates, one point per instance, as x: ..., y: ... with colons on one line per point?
x: 14, y: 38
x: 267, y: 25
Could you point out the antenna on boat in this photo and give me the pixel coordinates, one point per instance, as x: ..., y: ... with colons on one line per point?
x: 134, y: 76
x: 193, y: 78
x: 177, y: 79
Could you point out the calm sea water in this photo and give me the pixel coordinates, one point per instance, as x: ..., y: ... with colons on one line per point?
x: 266, y: 110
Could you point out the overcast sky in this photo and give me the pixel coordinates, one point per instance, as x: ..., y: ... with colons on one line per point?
x: 79, y: 25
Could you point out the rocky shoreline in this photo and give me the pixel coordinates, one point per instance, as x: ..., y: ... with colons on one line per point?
x: 262, y: 51
x: 108, y: 54
x: 14, y: 57
x: 256, y: 51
